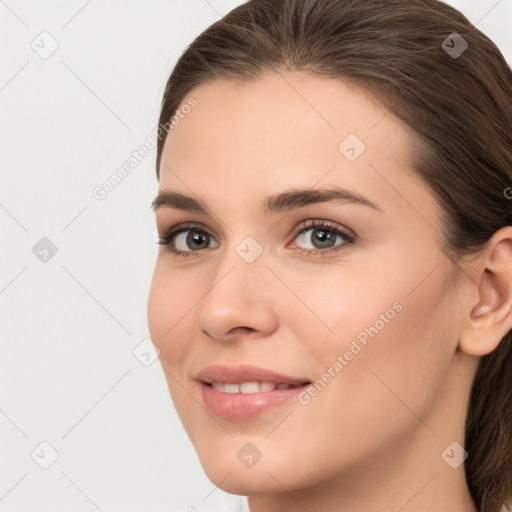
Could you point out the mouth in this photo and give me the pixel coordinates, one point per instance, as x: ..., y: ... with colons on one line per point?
x: 247, y: 376
x: 245, y: 391
x: 253, y: 386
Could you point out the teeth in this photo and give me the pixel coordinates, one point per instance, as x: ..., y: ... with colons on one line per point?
x: 267, y: 386
x: 231, y: 388
x: 218, y: 385
x: 249, y: 387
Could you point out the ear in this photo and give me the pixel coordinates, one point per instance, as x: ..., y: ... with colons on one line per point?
x: 490, y: 318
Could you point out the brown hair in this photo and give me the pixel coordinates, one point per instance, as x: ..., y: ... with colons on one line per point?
x: 460, y: 108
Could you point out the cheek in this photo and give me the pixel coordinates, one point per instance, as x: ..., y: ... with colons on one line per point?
x: 169, y: 301
x: 334, y: 304
x: 392, y: 327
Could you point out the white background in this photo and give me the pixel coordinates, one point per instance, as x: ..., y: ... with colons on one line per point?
x: 69, y: 326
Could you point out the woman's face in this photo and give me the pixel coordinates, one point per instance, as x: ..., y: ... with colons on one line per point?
x: 351, y: 295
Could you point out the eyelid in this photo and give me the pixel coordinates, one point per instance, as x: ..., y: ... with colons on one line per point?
x: 188, y: 225
x: 302, y: 225
x: 319, y: 223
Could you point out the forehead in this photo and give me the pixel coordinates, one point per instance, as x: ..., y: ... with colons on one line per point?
x: 282, y: 129
x: 282, y: 111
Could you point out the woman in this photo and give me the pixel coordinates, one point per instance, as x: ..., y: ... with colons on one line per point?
x: 333, y: 295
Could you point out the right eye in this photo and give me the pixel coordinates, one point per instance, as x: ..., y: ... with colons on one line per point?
x: 181, y: 240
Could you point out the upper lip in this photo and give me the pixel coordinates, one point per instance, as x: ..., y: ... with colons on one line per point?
x: 244, y: 373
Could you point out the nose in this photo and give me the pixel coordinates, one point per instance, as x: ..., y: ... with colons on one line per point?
x: 239, y: 300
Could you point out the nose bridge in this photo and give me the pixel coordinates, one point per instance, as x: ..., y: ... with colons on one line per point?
x: 242, y: 263
x: 238, y: 293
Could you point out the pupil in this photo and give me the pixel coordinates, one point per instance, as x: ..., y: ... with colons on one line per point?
x: 196, y: 238
x: 324, y: 237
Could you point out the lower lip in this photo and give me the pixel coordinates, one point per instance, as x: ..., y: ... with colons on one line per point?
x: 235, y: 406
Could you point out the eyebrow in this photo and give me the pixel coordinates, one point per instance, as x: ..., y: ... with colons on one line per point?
x: 284, y: 201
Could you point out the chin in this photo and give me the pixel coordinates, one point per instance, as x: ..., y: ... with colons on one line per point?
x: 268, y: 475
x: 246, y: 481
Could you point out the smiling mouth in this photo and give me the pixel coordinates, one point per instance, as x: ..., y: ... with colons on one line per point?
x: 253, y: 387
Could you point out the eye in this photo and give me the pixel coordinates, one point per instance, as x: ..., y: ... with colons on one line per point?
x: 319, y: 237
x: 182, y: 241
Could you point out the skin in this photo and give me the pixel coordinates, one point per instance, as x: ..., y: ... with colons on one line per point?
x: 372, y: 439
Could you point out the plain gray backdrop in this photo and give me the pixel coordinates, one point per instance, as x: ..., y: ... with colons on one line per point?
x: 86, y: 421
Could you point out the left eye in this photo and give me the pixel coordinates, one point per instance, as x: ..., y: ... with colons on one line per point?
x: 321, y: 237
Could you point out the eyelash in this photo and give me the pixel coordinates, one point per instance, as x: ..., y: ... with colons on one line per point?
x: 168, y: 238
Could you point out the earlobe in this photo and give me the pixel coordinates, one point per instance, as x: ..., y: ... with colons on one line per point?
x: 490, y: 319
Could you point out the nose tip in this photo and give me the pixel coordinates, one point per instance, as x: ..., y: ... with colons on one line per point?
x: 237, y: 307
